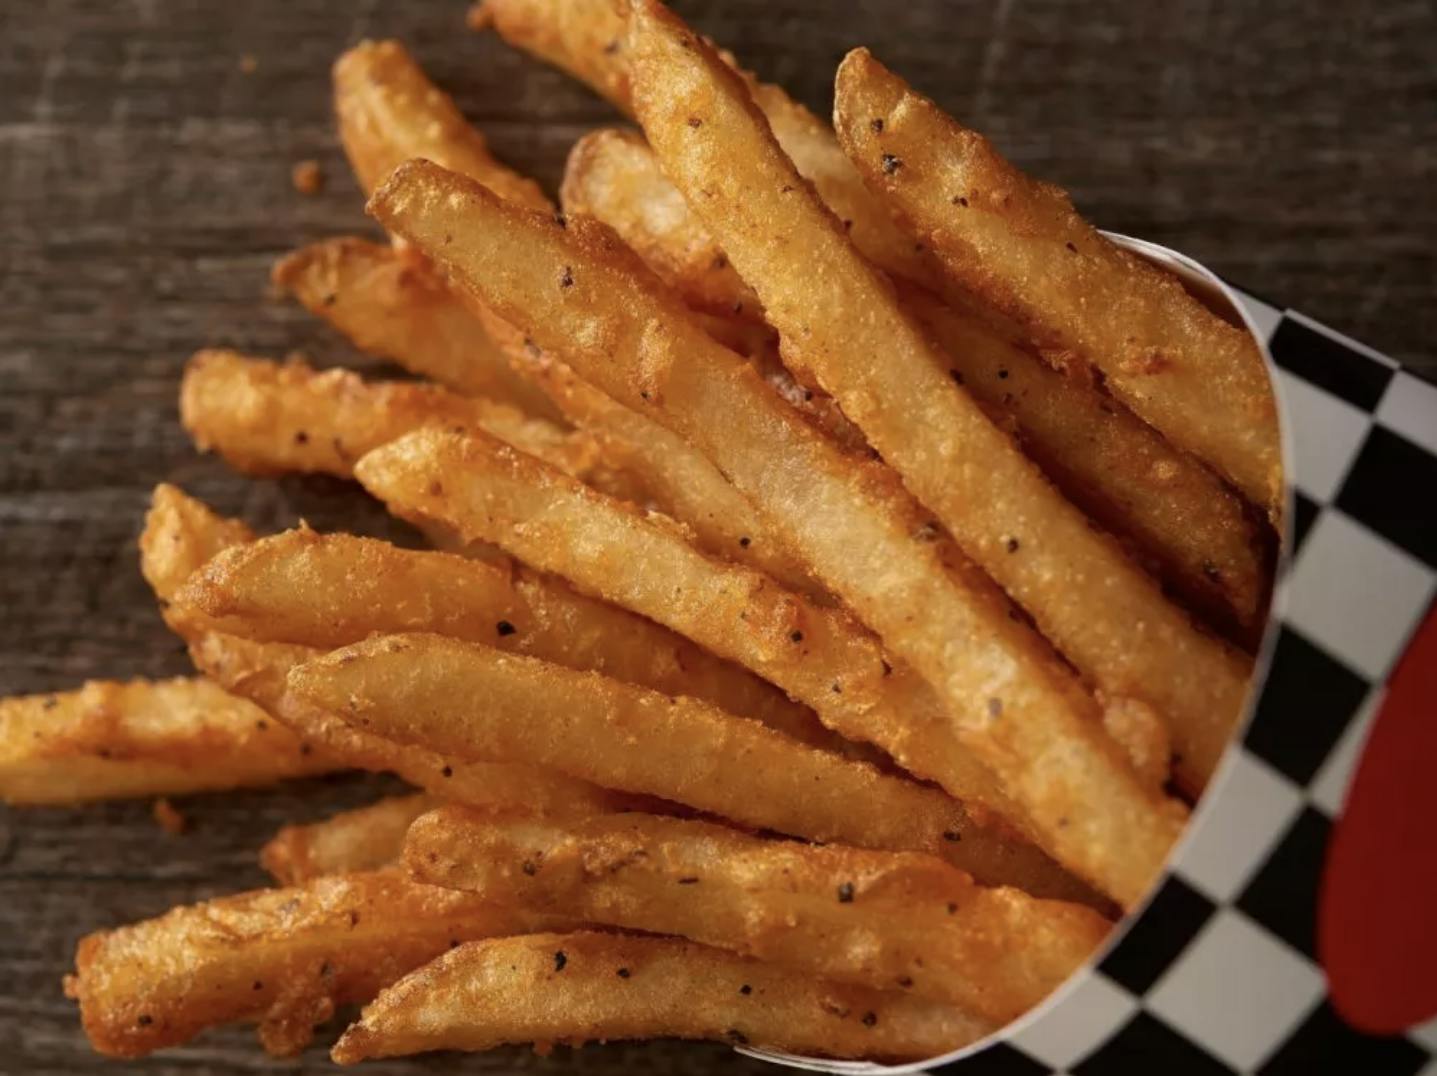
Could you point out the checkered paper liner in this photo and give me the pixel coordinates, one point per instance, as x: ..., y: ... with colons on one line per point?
x: 1218, y: 974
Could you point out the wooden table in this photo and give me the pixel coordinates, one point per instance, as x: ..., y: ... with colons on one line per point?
x: 1287, y: 144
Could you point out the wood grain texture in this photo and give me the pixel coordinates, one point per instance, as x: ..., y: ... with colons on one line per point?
x: 146, y: 191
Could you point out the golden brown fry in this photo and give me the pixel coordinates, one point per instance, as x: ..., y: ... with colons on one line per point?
x: 885, y: 920
x: 681, y: 480
x: 389, y: 111
x: 1115, y: 467
x: 268, y: 418
x: 474, y: 702
x: 1098, y: 608
x: 1112, y: 465
x: 583, y: 37
x: 257, y: 671
x: 363, y: 839
x: 180, y: 535
x: 110, y: 740
x: 284, y: 957
x: 578, y: 987
x: 326, y: 591
x: 1019, y: 245
x: 1009, y: 701
x: 586, y: 39
x: 611, y: 175
x: 486, y: 491
x: 392, y: 305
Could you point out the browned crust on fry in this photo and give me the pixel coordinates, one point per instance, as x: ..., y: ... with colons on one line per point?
x: 1186, y: 522
x: 583, y: 37
x: 329, y: 590
x: 142, y: 738
x: 881, y: 919
x: 1197, y: 533
x: 579, y: 987
x: 1100, y: 610
x: 284, y: 957
x: 586, y: 38
x: 1019, y: 244
x: 820, y: 656
x: 391, y: 304
x: 614, y: 325
x: 268, y: 418
x: 257, y: 671
x: 363, y: 839
x: 180, y: 534
x: 402, y: 687
x: 389, y: 112
x: 681, y: 480
x: 611, y: 175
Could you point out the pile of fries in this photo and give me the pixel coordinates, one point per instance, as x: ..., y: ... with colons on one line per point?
x: 846, y: 570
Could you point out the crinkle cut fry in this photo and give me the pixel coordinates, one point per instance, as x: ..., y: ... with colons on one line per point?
x: 576, y: 290
x: 578, y: 987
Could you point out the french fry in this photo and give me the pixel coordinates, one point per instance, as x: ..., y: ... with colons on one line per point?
x: 681, y: 480
x: 583, y: 37
x: 488, y: 492
x: 405, y: 687
x: 885, y: 920
x: 612, y: 175
x: 389, y: 112
x: 257, y: 672
x: 586, y: 39
x: 364, y: 839
x: 669, y: 474
x: 579, y: 987
x: 575, y: 291
x: 1195, y: 530
x: 1099, y: 608
x: 1115, y: 467
x: 284, y: 957
x: 180, y: 535
x: 326, y: 591
x: 1020, y: 245
x: 112, y: 740
x: 392, y: 305
x: 270, y: 418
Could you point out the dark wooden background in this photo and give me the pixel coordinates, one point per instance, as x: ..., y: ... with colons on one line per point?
x: 146, y: 190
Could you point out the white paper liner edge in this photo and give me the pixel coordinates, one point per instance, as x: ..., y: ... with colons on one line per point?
x: 1200, y: 278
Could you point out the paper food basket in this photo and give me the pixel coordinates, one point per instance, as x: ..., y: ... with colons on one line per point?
x: 1295, y: 927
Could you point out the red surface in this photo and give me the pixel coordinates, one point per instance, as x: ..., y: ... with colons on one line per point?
x: 1377, y: 919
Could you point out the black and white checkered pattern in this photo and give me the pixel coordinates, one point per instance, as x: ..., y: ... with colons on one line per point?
x: 1224, y: 954
x: 1218, y: 975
